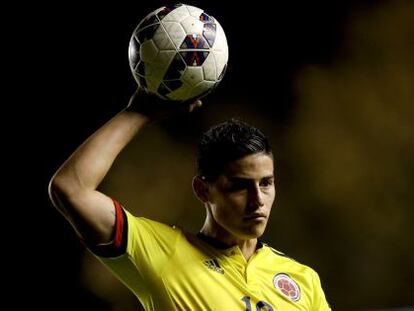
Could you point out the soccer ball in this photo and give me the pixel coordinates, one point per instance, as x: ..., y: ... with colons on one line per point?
x: 178, y: 52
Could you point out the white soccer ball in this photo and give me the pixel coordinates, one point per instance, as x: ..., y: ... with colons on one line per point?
x: 178, y: 52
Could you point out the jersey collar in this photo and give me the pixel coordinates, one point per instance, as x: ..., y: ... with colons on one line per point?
x: 220, y: 245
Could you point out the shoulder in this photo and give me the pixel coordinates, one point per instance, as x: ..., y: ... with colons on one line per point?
x: 142, y: 223
x: 150, y: 235
x: 275, y: 254
x: 287, y: 263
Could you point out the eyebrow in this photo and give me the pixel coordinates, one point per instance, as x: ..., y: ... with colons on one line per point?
x: 235, y: 178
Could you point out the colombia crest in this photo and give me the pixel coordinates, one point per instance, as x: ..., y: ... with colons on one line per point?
x: 286, y: 286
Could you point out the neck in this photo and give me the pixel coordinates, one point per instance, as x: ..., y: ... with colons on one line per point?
x: 247, y: 246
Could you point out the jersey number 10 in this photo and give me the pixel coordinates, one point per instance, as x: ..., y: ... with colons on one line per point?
x: 261, y: 305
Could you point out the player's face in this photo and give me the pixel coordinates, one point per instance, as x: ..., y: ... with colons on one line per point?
x: 241, y: 198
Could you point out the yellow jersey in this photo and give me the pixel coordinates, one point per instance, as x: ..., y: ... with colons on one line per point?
x: 168, y: 269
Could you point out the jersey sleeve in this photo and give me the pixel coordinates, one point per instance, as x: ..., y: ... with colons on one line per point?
x: 117, y: 246
x: 319, y: 300
x: 139, y: 250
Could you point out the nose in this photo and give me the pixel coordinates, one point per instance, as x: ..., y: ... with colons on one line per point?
x: 256, y: 197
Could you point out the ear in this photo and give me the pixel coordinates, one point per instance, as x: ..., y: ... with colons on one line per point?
x: 200, y: 188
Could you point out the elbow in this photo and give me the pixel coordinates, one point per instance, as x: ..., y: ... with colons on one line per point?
x: 59, y: 190
x: 54, y: 191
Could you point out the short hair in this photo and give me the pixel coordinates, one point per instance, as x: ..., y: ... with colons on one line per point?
x: 228, y: 142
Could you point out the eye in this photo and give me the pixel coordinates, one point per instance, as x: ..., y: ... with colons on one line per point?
x: 266, y: 182
x: 237, y: 185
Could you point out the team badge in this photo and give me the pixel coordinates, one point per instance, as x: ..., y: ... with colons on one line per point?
x: 286, y: 286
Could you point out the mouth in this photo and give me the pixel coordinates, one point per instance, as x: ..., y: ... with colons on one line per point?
x: 255, y: 216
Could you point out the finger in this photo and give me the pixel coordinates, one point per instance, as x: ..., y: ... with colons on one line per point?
x: 195, y: 105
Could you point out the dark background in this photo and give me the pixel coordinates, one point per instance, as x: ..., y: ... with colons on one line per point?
x: 330, y: 83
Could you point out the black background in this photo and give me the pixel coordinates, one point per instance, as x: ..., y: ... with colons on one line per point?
x: 72, y: 75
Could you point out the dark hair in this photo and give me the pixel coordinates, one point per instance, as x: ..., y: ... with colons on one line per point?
x: 228, y: 142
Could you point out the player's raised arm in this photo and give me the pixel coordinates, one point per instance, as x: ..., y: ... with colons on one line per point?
x: 73, y: 188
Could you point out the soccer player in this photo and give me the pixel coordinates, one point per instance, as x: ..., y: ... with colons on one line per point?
x: 222, y: 267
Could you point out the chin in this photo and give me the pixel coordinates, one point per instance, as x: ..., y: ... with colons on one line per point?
x: 254, y: 232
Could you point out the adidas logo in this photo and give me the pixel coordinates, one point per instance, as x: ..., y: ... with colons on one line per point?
x: 214, y: 265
